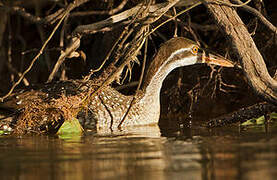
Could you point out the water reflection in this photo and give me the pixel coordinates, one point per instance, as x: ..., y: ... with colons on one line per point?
x: 166, y: 153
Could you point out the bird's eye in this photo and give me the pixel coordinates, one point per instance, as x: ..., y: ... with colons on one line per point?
x: 194, y: 50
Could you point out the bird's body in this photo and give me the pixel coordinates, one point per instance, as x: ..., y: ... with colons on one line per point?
x: 107, y: 109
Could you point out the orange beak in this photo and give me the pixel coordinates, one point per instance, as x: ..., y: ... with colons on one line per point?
x: 216, y: 60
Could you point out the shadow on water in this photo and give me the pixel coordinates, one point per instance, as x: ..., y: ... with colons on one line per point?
x: 170, y: 151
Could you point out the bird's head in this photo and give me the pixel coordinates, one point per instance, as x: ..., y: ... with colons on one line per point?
x: 185, y: 52
x: 178, y: 52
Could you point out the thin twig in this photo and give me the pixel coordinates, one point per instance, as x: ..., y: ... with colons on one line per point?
x: 109, y: 112
x: 121, y: 17
x: 37, y: 56
x: 19, y: 74
x: 104, y: 12
x: 75, y: 43
x: 173, y: 17
x: 107, y: 57
x: 139, y: 84
x: 175, y: 23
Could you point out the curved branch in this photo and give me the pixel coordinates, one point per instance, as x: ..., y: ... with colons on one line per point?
x: 259, y: 15
x: 250, y: 58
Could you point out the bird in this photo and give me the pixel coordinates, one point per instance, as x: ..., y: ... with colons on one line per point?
x: 44, y: 109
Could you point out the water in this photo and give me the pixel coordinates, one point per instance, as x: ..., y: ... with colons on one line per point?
x: 145, y: 153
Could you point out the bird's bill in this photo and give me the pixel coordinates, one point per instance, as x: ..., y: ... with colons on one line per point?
x: 216, y: 60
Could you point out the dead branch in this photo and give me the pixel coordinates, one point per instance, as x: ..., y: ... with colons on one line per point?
x: 105, y: 12
x: 72, y: 47
x: 19, y: 74
x: 256, y: 13
x: 121, y: 17
x: 52, y: 18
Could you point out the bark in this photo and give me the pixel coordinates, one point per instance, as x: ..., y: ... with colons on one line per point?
x: 250, y: 58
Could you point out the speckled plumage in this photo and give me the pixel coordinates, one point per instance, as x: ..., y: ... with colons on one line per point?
x: 110, y: 106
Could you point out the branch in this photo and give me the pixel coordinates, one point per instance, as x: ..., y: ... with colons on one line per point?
x: 72, y: 47
x: 250, y: 58
x: 258, y: 15
x: 123, y: 16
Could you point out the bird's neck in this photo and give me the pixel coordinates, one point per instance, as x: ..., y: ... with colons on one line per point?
x: 158, y: 70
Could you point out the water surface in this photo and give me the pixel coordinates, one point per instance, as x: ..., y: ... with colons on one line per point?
x: 154, y: 152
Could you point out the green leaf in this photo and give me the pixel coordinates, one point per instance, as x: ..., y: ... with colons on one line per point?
x: 71, y: 127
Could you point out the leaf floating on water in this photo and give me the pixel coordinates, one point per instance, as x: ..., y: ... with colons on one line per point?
x: 70, y: 129
x: 2, y: 132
